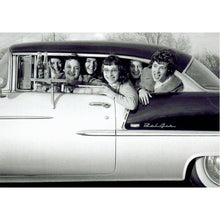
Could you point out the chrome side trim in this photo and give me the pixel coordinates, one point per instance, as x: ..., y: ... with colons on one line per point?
x: 102, y: 104
x: 96, y: 132
x: 25, y: 117
x: 165, y: 133
x: 145, y: 133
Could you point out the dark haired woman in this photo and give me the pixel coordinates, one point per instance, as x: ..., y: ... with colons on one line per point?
x: 90, y: 75
x: 160, y: 78
x: 119, y: 87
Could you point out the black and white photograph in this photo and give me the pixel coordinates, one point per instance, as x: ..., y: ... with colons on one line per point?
x: 110, y: 109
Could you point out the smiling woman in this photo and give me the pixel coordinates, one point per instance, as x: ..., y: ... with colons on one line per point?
x: 161, y: 78
x: 119, y: 88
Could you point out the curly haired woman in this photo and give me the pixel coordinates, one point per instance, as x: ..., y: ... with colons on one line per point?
x: 160, y: 78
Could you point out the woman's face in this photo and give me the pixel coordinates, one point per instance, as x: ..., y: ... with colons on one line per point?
x: 135, y: 69
x: 56, y: 65
x: 159, y: 71
x: 91, y: 65
x: 72, y: 68
x: 111, y: 73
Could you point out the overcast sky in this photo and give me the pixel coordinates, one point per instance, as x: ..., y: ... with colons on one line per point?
x: 199, y: 41
x: 204, y: 41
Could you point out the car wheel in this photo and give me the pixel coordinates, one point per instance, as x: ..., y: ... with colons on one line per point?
x: 206, y: 172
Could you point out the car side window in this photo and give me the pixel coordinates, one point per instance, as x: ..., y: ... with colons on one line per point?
x: 41, y: 72
x: 35, y: 73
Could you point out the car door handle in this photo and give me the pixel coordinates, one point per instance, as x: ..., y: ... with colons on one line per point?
x: 103, y: 104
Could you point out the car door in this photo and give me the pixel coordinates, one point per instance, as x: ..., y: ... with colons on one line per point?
x: 68, y: 134
x: 77, y: 137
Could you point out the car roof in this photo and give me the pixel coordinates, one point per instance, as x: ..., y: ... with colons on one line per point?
x: 99, y: 47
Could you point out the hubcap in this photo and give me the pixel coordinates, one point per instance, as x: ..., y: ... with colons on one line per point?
x: 212, y: 168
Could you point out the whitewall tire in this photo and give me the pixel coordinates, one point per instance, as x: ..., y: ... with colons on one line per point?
x: 206, y: 172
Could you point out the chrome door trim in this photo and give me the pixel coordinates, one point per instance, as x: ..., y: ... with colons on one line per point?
x: 145, y: 133
x: 96, y: 132
x: 25, y: 117
x: 102, y: 104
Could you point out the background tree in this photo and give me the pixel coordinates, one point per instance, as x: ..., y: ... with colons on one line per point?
x: 2, y: 52
x: 47, y: 37
x: 175, y: 41
x: 182, y: 43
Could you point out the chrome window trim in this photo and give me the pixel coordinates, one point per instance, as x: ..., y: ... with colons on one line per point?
x: 106, y: 55
x: 14, y: 72
x: 188, y: 65
x: 125, y: 119
x: 85, y: 55
x: 17, y: 54
x: 49, y: 54
x: 10, y: 73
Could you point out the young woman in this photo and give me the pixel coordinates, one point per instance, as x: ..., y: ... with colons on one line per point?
x: 90, y: 75
x: 118, y: 86
x: 72, y: 74
x: 135, y: 70
x: 159, y: 76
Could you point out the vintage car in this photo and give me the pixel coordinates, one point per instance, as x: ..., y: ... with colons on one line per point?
x: 58, y: 136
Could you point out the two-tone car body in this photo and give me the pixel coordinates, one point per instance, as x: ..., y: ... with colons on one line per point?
x: 85, y: 136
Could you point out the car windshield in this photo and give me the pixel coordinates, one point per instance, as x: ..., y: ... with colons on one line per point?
x: 4, y: 70
x: 203, y: 76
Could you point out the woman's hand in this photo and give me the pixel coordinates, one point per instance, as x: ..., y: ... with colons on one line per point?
x: 144, y: 96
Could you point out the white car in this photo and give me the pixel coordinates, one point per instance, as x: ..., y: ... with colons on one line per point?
x: 49, y: 136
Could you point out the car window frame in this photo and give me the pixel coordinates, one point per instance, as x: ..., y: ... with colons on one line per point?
x: 16, y: 56
x: 95, y: 55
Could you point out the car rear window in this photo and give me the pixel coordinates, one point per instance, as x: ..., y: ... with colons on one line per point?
x: 203, y: 76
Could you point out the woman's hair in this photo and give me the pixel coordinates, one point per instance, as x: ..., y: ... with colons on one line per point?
x: 165, y: 55
x: 71, y: 58
x: 115, y: 60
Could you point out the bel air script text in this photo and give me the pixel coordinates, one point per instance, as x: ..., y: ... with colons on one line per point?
x: 157, y: 125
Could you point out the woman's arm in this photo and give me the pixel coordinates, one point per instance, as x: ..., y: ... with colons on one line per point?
x: 126, y: 97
